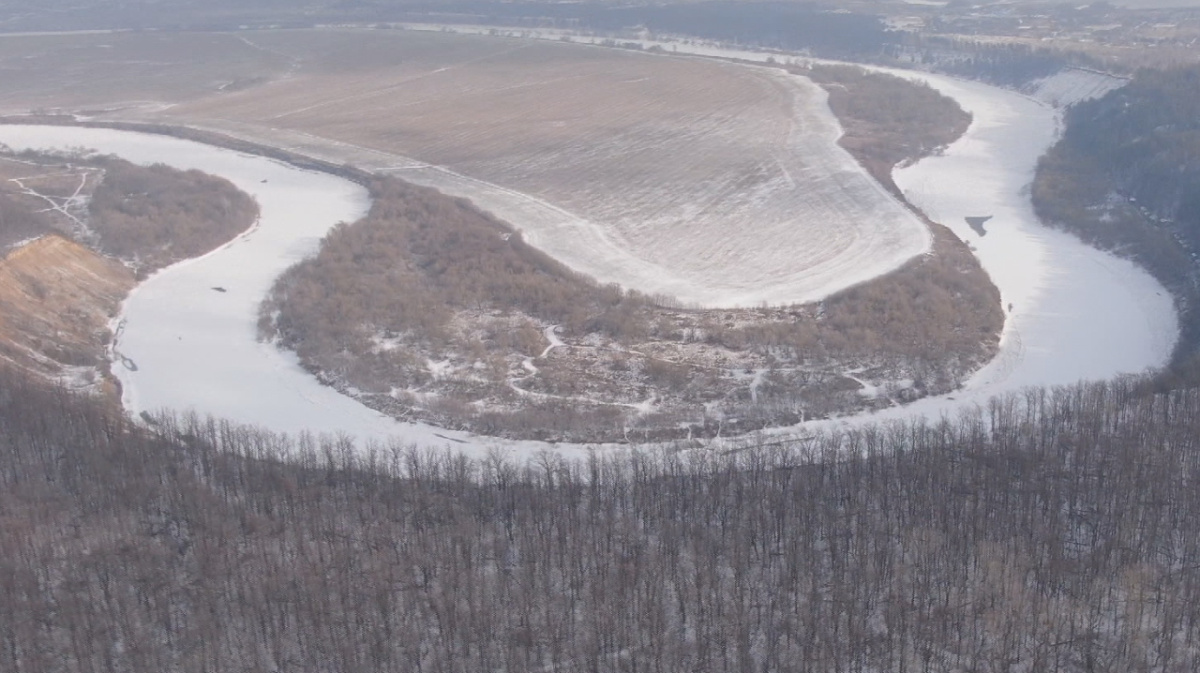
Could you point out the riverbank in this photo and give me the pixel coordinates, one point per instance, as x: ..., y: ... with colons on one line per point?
x: 1076, y: 313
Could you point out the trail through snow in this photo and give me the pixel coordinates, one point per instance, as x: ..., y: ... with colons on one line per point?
x: 644, y: 407
x: 65, y: 206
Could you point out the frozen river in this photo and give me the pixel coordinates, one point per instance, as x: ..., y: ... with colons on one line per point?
x: 1076, y: 313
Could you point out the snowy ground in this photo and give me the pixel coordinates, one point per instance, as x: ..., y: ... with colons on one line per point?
x: 809, y: 224
x: 717, y: 184
x: 1073, y: 85
x: 1076, y: 313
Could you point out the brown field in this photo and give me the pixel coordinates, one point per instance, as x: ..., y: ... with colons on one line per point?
x: 95, y: 72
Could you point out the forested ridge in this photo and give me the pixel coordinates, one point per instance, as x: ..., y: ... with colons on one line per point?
x: 1126, y: 177
x: 1056, y: 531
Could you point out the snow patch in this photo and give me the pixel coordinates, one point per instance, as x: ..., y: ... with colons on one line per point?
x: 1073, y: 85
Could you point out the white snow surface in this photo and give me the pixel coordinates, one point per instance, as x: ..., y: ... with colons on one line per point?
x: 818, y: 225
x: 1077, y: 313
x: 792, y: 219
x: 1073, y: 85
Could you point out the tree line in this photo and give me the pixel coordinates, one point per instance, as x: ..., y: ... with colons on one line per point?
x: 146, y: 216
x: 887, y: 120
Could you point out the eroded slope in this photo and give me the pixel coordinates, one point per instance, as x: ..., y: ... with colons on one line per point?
x: 76, y: 231
x: 56, y: 300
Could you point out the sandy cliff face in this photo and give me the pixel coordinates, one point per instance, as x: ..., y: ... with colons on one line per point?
x: 56, y: 299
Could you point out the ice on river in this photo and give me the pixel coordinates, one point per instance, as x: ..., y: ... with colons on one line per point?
x: 1076, y: 313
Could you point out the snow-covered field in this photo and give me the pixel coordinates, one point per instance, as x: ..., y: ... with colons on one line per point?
x: 1075, y: 312
x: 801, y: 226
x: 1073, y: 85
x: 717, y: 184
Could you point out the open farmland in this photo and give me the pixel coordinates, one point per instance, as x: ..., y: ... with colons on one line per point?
x: 98, y: 72
x: 713, y: 183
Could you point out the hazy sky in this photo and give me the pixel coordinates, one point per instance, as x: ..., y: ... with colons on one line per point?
x: 1148, y: 4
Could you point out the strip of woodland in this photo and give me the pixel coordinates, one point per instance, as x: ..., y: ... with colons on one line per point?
x: 147, y: 216
x: 887, y: 121
x: 155, y: 216
x: 1055, y: 531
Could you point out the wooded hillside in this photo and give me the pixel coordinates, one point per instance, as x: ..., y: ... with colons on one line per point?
x: 1051, y: 532
x: 1126, y: 177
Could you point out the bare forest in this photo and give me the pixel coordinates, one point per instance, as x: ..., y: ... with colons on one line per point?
x: 1056, y: 530
x: 887, y: 120
x: 1050, y: 532
x: 156, y: 216
x: 146, y: 216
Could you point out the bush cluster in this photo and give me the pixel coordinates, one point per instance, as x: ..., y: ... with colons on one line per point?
x: 155, y: 216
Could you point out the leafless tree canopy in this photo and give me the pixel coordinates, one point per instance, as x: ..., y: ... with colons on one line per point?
x: 1057, y: 531
x: 18, y: 222
x: 157, y: 215
x: 425, y: 278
